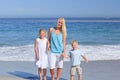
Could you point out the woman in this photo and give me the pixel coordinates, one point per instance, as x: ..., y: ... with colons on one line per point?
x: 57, y: 47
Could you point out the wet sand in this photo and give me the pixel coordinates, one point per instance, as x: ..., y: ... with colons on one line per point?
x: 93, y: 70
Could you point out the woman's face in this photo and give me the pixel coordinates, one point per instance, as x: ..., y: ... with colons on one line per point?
x: 60, y: 23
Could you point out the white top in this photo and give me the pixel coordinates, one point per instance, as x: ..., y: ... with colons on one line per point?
x: 43, y: 57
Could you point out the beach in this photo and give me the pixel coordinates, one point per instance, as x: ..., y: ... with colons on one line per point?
x: 96, y: 28
x: 93, y: 70
x: 99, y: 40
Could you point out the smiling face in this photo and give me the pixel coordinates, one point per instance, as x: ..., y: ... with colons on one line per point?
x: 61, y: 26
x: 42, y: 34
x: 59, y: 23
x: 75, y: 45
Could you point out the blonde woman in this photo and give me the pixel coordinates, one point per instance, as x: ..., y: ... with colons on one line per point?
x: 57, y: 47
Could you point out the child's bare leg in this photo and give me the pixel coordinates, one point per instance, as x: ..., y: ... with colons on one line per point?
x: 44, y: 72
x: 79, y: 76
x: 52, y: 73
x: 71, y: 77
x: 40, y: 73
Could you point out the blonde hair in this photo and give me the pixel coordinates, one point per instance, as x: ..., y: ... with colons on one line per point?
x: 64, y: 31
x: 42, y: 30
x: 74, y: 41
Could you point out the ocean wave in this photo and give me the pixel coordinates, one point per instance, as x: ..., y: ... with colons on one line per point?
x: 93, y: 52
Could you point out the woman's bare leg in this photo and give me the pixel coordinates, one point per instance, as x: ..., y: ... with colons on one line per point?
x: 59, y: 71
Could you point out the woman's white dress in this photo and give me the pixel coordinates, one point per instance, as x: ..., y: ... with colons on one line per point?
x: 43, y: 56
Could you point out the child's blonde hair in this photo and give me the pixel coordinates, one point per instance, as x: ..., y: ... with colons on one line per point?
x: 74, y: 41
x: 42, y: 30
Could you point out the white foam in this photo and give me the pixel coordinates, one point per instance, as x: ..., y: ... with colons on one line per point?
x: 26, y: 53
x: 17, y: 53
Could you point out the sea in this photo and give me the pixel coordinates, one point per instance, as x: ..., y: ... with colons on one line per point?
x: 98, y: 38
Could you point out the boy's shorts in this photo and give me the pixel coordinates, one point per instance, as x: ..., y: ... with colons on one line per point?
x: 74, y: 69
x: 55, y: 60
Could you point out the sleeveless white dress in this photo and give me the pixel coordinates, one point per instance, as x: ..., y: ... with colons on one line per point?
x: 43, y: 56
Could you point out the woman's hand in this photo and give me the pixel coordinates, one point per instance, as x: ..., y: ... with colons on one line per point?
x: 63, y: 55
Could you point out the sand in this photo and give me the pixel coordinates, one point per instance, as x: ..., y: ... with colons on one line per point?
x: 93, y: 70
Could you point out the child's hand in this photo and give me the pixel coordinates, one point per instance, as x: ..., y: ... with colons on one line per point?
x: 85, y: 58
x: 63, y: 55
x: 48, y: 49
x: 67, y: 56
x: 86, y: 61
x: 37, y: 58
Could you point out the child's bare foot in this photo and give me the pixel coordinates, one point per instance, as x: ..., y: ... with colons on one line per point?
x: 40, y: 78
x: 45, y: 78
x: 57, y: 79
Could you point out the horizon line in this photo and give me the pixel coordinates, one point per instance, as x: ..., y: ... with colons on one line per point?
x: 59, y: 17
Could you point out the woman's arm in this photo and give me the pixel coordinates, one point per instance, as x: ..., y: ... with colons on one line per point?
x: 36, y: 49
x: 64, y: 46
x: 48, y: 43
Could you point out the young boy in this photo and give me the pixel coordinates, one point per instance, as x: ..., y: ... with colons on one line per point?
x: 75, y: 58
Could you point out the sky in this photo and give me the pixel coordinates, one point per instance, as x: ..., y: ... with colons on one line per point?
x: 59, y: 8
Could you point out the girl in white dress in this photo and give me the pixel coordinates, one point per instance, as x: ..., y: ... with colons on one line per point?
x: 40, y: 48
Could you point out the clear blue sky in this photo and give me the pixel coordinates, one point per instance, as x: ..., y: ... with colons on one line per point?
x: 59, y: 8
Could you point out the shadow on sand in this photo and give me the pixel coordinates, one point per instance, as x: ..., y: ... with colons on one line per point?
x: 28, y: 76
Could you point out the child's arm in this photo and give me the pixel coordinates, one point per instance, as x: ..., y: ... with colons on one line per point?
x: 48, y: 46
x: 36, y: 49
x: 85, y: 58
x: 67, y: 56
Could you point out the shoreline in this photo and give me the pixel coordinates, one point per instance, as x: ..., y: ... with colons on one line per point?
x: 93, y: 70
x: 26, y: 53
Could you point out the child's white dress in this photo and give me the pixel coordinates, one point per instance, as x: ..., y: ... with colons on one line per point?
x: 43, y: 56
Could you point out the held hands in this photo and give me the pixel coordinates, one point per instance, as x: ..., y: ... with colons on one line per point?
x: 63, y: 55
x: 48, y: 48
